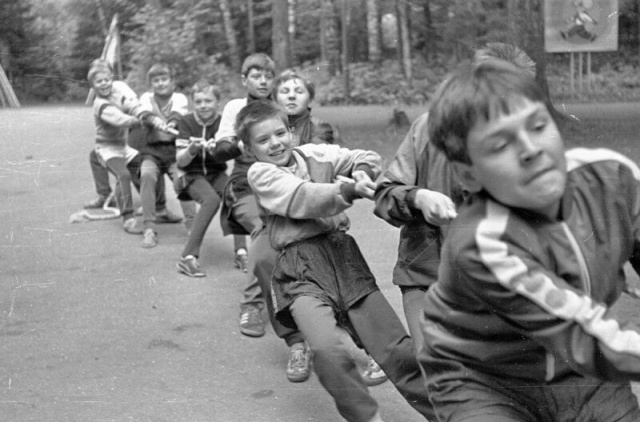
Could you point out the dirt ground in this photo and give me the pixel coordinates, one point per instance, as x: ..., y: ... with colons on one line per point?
x: 95, y: 328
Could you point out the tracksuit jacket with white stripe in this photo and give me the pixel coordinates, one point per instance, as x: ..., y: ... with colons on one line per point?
x: 523, y: 297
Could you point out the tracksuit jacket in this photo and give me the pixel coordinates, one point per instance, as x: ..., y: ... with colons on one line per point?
x: 526, y: 298
x: 417, y: 164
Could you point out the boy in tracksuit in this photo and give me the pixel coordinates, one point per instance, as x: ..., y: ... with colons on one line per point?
x: 417, y: 193
x: 518, y: 327
x: 321, y: 282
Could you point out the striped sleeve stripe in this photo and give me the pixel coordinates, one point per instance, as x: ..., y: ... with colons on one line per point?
x: 582, y: 156
x: 512, y: 273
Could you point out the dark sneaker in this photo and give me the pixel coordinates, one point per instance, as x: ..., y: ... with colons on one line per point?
x: 241, y: 260
x: 299, y: 364
x: 167, y: 217
x: 96, y: 203
x: 150, y: 239
x: 251, y: 323
x: 373, y: 374
x: 189, y: 266
x: 132, y: 226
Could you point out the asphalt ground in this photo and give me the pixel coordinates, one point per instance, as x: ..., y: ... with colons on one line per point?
x: 95, y: 328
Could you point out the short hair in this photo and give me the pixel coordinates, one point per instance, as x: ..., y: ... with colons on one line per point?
x: 204, y: 85
x: 291, y: 74
x: 98, y: 66
x: 258, y: 61
x: 159, y: 69
x: 257, y: 112
x: 474, y: 93
x: 507, y: 52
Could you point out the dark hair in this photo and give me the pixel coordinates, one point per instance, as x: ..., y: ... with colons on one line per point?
x: 204, y: 85
x: 257, y: 112
x: 474, y: 93
x: 507, y: 52
x: 159, y: 69
x: 258, y: 61
x: 290, y: 74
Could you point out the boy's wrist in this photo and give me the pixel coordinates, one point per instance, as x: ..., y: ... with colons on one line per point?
x: 348, y: 192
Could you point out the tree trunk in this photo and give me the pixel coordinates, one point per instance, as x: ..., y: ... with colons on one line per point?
x: 251, y: 35
x: 345, y: 48
x: 280, y: 33
x: 230, y: 33
x: 292, y: 30
x: 428, y: 32
x: 373, y: 31
x: 403, y: 35
x: 330, y: 46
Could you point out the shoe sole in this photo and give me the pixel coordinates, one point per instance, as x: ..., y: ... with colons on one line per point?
x: 250, y: 333
x: 190, y: 274
x: 298, y: 379
x: 373, y: 382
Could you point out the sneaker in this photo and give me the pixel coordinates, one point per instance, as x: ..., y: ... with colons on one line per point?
x: 251, y: 323
x: 241, y: 260
x: 150, y: 239
x: 190, y: 266
x: 373, y: 374
x: 167, y: 217
x: 299, y: 364
x: 132, y: 226
x: 112, y: 202
x: 96, y: 203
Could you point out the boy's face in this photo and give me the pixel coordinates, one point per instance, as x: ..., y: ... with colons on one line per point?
x: 162, y: 85
x: 270, y: 141
x: 519, y: 159
x: 258, y: 83
x: 293, y: 96
x: 205, y: 104
x: 102, y: 83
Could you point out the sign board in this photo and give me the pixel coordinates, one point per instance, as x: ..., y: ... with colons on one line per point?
x: 580, y: 25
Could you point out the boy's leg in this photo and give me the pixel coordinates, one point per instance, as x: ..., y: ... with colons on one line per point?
x: 118, y: 166
x: 336, y: 370
x: 134, y: 165
x: 412, y: 303
x: 385, y: 339
x: 202, y: 192
x: 149, y: 175
x: 245, y: 212
x: 101, y: 180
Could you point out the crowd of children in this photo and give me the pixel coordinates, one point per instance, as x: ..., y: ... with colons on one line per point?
x: 511, y: 248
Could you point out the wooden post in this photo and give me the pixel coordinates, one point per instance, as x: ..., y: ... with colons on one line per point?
x: 572, y: 64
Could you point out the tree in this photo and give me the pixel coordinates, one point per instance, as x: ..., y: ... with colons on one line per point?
x: 230, y: 32
x: 404, y: 47
x: 330, y: 50
x: 373, y: 31
x: 281, y: 44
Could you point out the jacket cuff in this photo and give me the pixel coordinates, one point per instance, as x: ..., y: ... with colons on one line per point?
x: 348, y: 191
x: 367, y: 169
x: 411, y: 198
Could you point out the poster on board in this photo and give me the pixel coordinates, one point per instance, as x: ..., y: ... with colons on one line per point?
x: 580, y: 25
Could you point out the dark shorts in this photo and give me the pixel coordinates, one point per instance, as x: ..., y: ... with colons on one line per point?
x: 470, y: 396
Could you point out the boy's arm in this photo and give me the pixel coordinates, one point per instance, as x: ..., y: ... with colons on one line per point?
x: 398, y: 199
x: 225, y: 149
x: 285, y: 194
x: 116, y: 117
x: 542, y: 306
x: 227, y: 128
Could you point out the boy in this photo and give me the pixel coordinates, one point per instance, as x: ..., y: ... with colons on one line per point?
x: 114, y: 112
x: 321, y: 283
x: 517, y: 327
x: 159, y: 151
x: 201, y: 173
x: 417, y: 193
x: 239, y: 215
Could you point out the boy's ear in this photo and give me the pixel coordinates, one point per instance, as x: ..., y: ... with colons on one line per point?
x: 466, y: 175
x: 246, y: 149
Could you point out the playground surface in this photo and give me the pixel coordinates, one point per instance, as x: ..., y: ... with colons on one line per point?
x: 95, y: 328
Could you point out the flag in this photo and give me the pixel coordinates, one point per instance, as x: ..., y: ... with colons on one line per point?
x: 110, y: 52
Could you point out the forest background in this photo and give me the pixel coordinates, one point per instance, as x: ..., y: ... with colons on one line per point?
x: 357, y: 51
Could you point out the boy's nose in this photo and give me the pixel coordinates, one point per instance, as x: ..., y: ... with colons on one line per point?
x: 529, y: 149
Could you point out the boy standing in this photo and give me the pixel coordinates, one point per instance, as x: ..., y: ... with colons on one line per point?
x: 239, y: 215
x: 201, y: 172
x: 418, y: 193
x: 321, y: 283
x: 159, y: 153
x: 517, y: 327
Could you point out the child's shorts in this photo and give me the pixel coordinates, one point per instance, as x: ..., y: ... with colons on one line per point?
x: 106, y: 152
x: 470, y: 396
